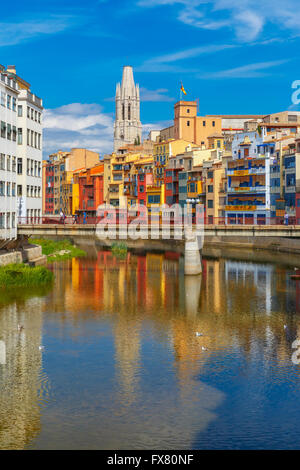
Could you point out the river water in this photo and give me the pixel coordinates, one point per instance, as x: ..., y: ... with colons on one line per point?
x: 109, y: 358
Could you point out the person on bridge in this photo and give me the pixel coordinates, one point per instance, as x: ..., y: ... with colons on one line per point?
x: 84, y: 217
x: 286, y: 219
x: 75, y: 218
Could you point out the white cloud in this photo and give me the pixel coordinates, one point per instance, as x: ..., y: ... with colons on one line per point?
x: 162, y: 63
x: 12, y: 33
x: 246, y: 17
x: 85, y: 126
x: 78, y: 125
x: 246, y: 71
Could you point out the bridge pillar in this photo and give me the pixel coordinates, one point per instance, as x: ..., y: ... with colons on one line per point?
x: 192, y: 257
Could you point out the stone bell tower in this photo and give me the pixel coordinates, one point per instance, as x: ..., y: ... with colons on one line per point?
x: 127, y: 127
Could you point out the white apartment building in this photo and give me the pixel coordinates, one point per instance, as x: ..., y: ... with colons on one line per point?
x: 21, y: 124
x: 8, y: 154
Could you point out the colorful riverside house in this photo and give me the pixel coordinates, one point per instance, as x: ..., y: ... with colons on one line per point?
x: 90, y: 190
x: 144, y: 180
x: 119, y: 188
x: 163, y: 151
x: 248, y: 184
x: 214, y: 172
x: 48, y: 188
x: 155, y: 197
x: 171, y: 185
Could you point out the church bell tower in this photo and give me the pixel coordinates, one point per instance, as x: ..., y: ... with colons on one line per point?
x: 127, y: 127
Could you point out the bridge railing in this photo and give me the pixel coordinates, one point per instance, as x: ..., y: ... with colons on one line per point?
x: 119, y: 219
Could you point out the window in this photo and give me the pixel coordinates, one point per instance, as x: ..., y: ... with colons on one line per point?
x: 13, y: 166
x: 19, y: 190
x: 20, y: 136
x: 213, y: 123
x: 2, y: 188
x: 2, y: 98
x: 188, y: 123
x: 20, y: 110
x: 28, y: 112
x: 2, y: 161
x: 210, y: 188
x: 210, y: 174
x: 210, y: 204
x: 20, y: 166
x: 8, y: 189
x: 8, y: 101
x: 3, y: 129
x: 188, y: 111
x: 8, y: 163
x: 204, y: 123
x: 9, y: 131
x: 14, y: 104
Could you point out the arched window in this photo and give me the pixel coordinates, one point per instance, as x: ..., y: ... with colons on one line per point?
x: 123, y: 112
x: 129, y: 112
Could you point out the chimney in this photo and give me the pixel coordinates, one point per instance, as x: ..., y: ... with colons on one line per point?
x: 11, y: 69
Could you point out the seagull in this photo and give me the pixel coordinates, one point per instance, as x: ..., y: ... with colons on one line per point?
x: 20, y: 327
x: 285, y: 327
x: 41, y: 348
x: 199, y: 334
x: 203, y: 348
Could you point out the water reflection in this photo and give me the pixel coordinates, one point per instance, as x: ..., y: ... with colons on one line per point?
x: 23, y: 386
x: 126, y: 367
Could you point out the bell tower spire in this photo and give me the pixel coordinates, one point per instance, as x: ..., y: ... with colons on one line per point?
x: 127, y: 127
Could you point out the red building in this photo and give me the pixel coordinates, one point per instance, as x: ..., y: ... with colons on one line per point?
x: 144, y: 179
x: 91, y: 190
x: 171, y: 185
x: 49, y: 188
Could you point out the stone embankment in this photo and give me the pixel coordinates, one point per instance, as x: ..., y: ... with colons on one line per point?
x: 31, y: 255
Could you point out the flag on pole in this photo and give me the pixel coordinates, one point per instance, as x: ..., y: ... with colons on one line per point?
x: 182, y: 89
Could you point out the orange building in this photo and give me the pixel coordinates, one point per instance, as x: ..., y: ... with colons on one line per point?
x: 90, y: 190
x: 196, y: 129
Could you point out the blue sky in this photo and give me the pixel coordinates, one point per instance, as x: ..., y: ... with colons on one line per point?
x: 237, y: 57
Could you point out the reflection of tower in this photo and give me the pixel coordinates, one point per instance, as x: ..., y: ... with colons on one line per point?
x: 127, y: 345
x: 192, y: 293
x: 20, y: 376
x: 127, y: 127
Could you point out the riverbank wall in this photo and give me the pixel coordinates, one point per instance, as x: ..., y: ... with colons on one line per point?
x: 277, y: 244
x: 31, y: 255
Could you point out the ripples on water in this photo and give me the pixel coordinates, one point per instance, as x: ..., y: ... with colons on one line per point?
x: 122, y: 367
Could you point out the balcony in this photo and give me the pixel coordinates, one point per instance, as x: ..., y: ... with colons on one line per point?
x: 247, y: 189
x: 246, y: 171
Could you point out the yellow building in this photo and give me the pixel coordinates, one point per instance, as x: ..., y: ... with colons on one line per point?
x: 215, y: 195
x: 121, y: 176
x: 216, y: 141
x: 163, y: 151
